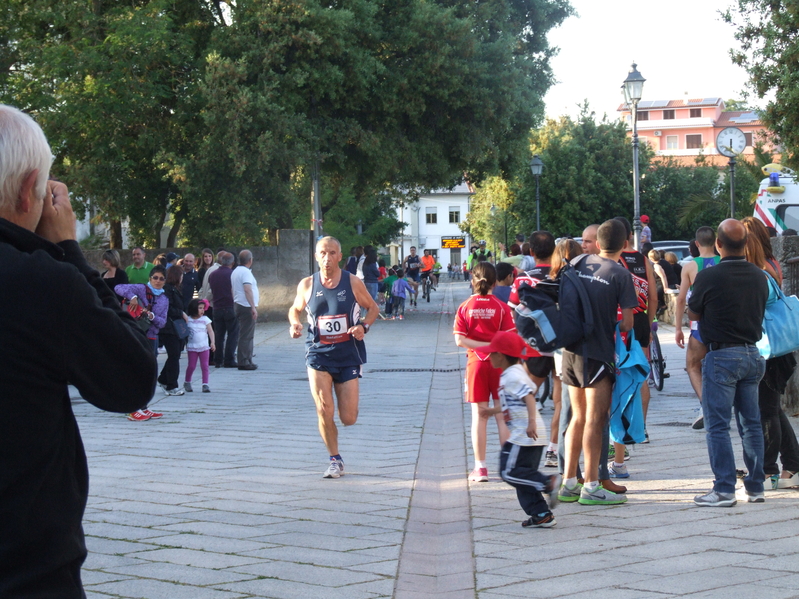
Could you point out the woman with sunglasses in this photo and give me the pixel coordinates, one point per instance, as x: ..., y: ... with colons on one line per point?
x: 154, y: 305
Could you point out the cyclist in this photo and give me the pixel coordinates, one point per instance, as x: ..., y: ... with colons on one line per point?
x: 428, y: 263
x: 411, y: 266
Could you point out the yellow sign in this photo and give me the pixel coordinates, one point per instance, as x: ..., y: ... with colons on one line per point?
x: 453, y: 243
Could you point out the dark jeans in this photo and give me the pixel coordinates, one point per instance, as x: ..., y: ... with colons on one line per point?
x: 778, y: 436
x: 226, y: 331
x: 171, y: 370
x: 518, y: 466
x: 210, y: 314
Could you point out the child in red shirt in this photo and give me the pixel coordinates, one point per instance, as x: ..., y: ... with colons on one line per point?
x: 477, y: 320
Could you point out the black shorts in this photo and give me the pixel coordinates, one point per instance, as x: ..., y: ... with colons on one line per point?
x: 338, y: 374
x: 576, y: 373
x: 642, y: 328
x: 540, y: 366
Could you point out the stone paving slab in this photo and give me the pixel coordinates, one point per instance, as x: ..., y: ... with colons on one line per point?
x: 223, y: 497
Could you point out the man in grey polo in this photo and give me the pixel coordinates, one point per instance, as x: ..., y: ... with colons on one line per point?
x: 245, y: 299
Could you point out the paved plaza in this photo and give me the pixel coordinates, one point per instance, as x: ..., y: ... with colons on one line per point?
x: 223, y: 497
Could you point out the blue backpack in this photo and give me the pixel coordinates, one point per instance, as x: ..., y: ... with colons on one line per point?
x: 555, y: 314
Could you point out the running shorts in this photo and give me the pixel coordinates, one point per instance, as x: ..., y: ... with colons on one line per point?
x: 540, y: 366
x: 576, y: 373
x: 482, y: 381
x: 340, y: 374
x: 642, y: 328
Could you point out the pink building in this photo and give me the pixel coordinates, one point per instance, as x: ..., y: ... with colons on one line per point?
x: 686, y: 128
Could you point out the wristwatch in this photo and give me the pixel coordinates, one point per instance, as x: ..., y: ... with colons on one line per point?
x: 365, y: 327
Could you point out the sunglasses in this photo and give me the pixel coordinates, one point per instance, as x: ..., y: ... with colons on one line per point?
x: 154, y: 278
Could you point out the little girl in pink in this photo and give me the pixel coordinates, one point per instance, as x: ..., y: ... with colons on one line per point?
x: 198, y: 346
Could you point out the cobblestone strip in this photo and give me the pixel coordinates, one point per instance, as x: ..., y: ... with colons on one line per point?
x: 437, y: 553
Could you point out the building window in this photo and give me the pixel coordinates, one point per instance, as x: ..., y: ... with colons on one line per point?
x: 454, y: 214
x: 696, y: 113
x: 643, y: 116
x: 672, y: 142
x: 668, y: 115
x: 431, y: 215
x: 693, y: 142
x: 748, y: 137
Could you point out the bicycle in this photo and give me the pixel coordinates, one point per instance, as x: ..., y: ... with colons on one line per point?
x: 657, y: 362
x: 427, y: 284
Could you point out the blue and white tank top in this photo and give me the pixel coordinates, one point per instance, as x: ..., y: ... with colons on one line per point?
x: 331, y: 312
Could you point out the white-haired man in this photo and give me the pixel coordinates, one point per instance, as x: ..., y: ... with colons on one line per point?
x: 61, y: 325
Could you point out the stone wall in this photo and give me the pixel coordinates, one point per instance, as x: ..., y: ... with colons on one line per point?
x: 278, y: 269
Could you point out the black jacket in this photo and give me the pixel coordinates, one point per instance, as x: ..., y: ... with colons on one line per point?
x: 175, y: 311
x: 60, y: 324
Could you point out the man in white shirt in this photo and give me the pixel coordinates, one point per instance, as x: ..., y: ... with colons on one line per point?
x: 245, y: 299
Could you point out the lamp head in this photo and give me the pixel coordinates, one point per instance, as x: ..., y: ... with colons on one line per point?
x: 536, y: 166
x: 634, y: 85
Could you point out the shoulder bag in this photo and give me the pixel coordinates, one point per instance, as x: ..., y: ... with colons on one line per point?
x: 780, y: 323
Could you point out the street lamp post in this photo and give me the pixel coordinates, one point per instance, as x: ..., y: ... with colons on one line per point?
x: 493, y: 211
x: 537, y: 167
x: 316, y: 202
x: 633, y: 90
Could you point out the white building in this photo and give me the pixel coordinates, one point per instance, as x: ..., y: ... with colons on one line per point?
x: 432, y: 224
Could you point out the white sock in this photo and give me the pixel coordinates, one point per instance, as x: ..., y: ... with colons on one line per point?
x: 553, y: 447
x: 615, y: 465
x: 591, y: 486
x: 571, y: 482
x: 479, y: 464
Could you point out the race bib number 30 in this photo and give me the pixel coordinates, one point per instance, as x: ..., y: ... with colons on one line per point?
x: 333, y: 329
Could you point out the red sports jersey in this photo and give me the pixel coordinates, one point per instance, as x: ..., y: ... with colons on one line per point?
x: 635, y: 262
x: 479, y: 318
x: 538, y: 273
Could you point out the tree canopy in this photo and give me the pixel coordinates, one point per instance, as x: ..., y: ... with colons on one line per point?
x: 769, y: 51
x: 587, y: 179
x: 208, y: 115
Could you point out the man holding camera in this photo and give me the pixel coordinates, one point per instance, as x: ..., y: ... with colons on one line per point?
x: 61, y: 326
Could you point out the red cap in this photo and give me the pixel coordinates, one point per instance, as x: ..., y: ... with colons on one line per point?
x: 644, y: 218
x: 508, y: 343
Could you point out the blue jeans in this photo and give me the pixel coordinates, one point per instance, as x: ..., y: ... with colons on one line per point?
x: 730, y: 378
x: 372, y: 289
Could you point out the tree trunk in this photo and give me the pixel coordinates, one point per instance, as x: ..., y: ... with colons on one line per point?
x: 159, y: 225
x: 171, y: 239
x: 115, y: 234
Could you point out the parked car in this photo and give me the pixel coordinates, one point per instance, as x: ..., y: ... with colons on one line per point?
x: 678, y: 247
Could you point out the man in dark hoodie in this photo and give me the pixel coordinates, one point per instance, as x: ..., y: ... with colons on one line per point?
x: 60, y: 325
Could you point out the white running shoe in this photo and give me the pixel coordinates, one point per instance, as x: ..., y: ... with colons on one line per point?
x: 335, y: 469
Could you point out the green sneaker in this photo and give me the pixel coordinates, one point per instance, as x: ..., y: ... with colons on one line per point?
x: 612, y: 452
x: 600, y: 496
x: 568, y: 495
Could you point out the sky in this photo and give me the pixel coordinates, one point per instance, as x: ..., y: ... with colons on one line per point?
x: 680, y: 46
